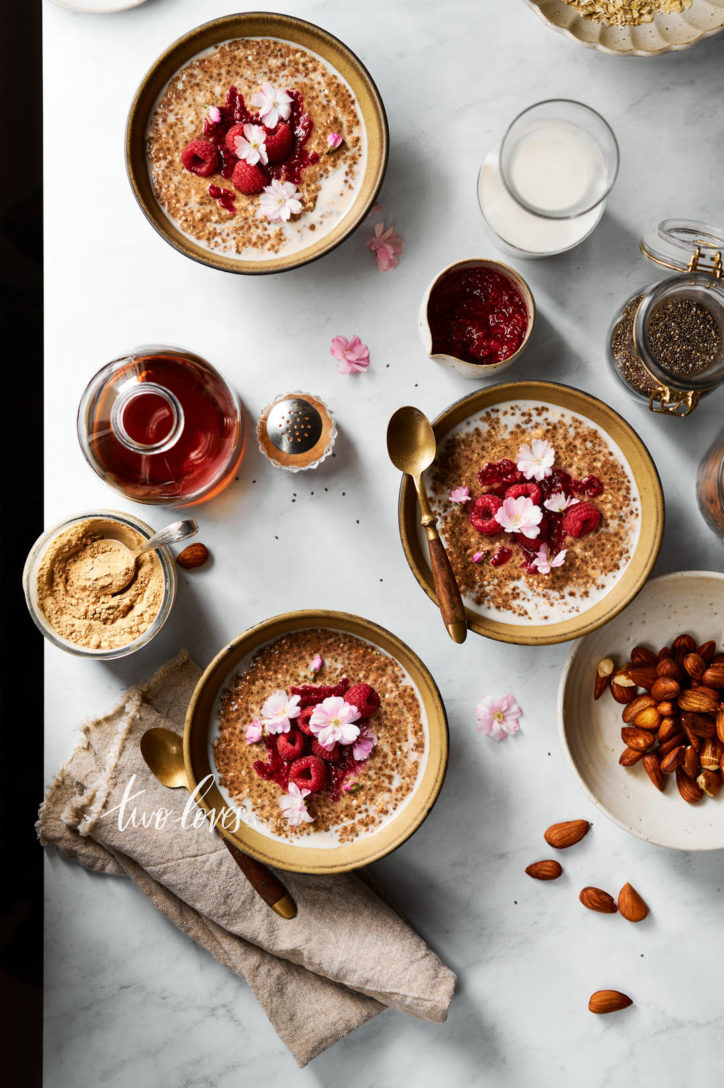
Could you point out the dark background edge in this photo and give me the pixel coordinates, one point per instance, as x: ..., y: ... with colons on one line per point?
x: 21, y: 648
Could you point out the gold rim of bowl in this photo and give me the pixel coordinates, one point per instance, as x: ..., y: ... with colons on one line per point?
x: 297, y: 857
x: 257, y: 24
x: 642, y: 468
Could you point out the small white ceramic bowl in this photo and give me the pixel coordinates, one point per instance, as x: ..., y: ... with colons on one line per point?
x: 686, y: 602
x: 476, y: 371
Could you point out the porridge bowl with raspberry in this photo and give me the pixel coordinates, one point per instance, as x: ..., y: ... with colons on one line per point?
x: 256, y: 143
x: 550, y: 508
x: 317, y: 742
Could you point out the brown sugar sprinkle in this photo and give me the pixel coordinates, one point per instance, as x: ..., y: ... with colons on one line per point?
x: 178, y: 118
x: 590, y: 560
x: 627, y: 12
x: 392, y: 770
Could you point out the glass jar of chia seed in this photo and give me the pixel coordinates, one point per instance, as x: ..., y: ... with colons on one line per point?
x: 666, y: 343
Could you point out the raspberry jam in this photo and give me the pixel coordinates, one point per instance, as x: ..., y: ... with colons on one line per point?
x: 477, y: 315
x: 162, y: 427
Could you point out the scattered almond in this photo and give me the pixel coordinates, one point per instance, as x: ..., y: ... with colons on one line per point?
x: 195, y: 555
x: 623, y: 688
x: 631, y: 905
x: 692, y: 763
x: 598, y: 900
x: 642, y: 655
x: 713, y: 677
x: 604, y: 672
x: 652, y: 766
x: 566, y: 834
x: 673, y: 759
x: 605, y: 1001
x: 629, y: 756
x: 545, y: 870
x: 641, y: 702
x: 688, y: 787
x: 709, y: 782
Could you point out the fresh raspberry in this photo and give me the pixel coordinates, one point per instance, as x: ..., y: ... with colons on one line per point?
x: 302, y: 721
x: 309, y: 773
x: 543, y: 533
x: 312, y: 694
x: 530, y: 489
x: 331, y: 755
x: 580, y: 519
x: 291, y: 745
x: 557, y: 481
x: 279, y: 142
x: 248, y: 179
x: 502, y: 556
x: 200, y: 157
x: 365, y: 698
x: 230, y: 138
x: 490, y: 473
x: 481, y: 515
x: 556, y: 534
x: 590, y: 486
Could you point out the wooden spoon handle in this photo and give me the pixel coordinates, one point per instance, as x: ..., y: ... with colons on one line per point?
x: 264, y: 882
x: 448, y: 592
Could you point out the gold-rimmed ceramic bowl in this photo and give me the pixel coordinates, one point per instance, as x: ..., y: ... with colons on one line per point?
x: 300, y: 856
x: 257, y: 24
x: 666, y: 33
x: 640, y: 465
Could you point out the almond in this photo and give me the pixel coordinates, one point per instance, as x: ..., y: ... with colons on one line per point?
x: 640, y: 739
x: 641, y: 702
x: 709, y: 782
x: 667, y: 709
x: 669, y: 669
x: 604, y: 672
x: 605, y: 1001
x: 642, y: 675
x: 652, y: 766
x: 694, y: 740
x: 665, y: 653
x: 566, y: 834
x: 544, y: 870
x: 665, y: 687
x: 596, y: 899
x: 673, y: 759
x: 623, y: 688
x: 669, y: 745
x: 631, y: 905
x: 648, y: 718
x: 707, y: 650
x: 691, y: 764
x: 710, y: 754
x: 713, y: 677
x: 642, y: 655
x: 701, y: 724
x: 719, y: 723
x: 629, y: 756
x: 684, y: 644
x: 688, y: 787
x: 195, y: 555
x: 702, y: 700
x: 668, y: 727
x: 694, y: 665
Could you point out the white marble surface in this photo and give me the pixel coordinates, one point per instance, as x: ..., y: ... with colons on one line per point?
x: 129, y: 1001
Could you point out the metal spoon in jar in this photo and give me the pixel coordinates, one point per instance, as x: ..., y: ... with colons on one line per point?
x: 124, y: 566
x: 412, y: 447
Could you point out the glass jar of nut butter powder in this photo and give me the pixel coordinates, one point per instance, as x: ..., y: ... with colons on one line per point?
x: 666, y: 343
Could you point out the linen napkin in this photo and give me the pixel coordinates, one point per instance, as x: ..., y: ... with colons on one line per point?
x: 344, y: 958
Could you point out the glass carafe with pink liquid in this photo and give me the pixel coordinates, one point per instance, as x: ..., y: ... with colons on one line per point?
x: 162, y: 426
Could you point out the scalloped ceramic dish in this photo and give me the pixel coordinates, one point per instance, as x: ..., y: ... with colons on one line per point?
x: 688, y: 601
x: 302, y: 857
x: 666, y: 34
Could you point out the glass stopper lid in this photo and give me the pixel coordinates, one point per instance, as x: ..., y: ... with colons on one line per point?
x: 685, y: 245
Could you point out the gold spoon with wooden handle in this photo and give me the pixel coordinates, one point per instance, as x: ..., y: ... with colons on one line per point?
x: 412, y: 447
x: 162, y: 750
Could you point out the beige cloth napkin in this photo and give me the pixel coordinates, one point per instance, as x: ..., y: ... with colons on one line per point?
x: 342, y: 960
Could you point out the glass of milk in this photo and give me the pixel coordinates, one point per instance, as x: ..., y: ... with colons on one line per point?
x: 559, y: 159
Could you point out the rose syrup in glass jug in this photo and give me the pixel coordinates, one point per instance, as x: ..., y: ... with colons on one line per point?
x: 162, y: 426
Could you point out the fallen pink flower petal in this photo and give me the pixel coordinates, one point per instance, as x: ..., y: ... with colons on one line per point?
x: 387, y: 245
x: 353, y: 355
x: 460, y: 494
x: 498, y: 718
x: 316, y: 663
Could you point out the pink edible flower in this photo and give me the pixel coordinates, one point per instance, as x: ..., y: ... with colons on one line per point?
x: 559, y: 501
x: 364, y: 745
x: 333, y: 720
x: 294, y: 806
x: 387, y: 244
x: 535, y: 461
x: 272, y: 104
x: 478, y: 556
x: 254, y: 732
x: 353, y: 355
x: 279, y: 710
x: 460, y: 494
x: 280, y: 201
x: 251, y: 147
x: 316, y: 663
x: 213, y: 114
x: 498, y: 718
x: 542, y: 560
x: 519, y: 515
x: 334, y: 140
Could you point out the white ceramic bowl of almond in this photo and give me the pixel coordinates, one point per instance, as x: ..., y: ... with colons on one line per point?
x: 688, y: 602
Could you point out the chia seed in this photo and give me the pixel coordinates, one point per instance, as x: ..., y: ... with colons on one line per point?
x: 625, y: 357
x: 684, y: 336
